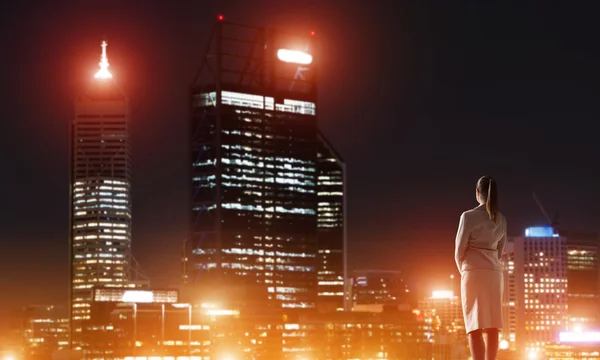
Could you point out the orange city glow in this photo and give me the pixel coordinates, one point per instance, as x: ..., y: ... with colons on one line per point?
x: 294, y: 56
x: 103, y: 73
x: 442, y: 294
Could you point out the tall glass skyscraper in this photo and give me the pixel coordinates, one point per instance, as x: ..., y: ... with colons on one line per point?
x: 262, y: 232
x: 100, y: 186
x: 254, y: 146
x: 331, y: 258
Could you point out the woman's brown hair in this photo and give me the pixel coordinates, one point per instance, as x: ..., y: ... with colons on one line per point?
x: 488, y: 190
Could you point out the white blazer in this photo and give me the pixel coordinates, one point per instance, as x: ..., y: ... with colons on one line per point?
x: 479, y: 241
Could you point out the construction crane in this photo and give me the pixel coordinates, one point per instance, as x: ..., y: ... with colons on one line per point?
x: 553, y: 223
x: 136, y: 274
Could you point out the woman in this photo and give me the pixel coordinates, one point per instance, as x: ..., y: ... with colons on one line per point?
x: 479, y: 246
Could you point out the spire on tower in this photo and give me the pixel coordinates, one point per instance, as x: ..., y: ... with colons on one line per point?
x: 103, y: 73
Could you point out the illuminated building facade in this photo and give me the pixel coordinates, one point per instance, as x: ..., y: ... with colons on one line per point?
x: 143, y: 325
x: 542, y: 313
x: 583, y: 275
x: 254, y: 148
x: 374, y: 289
x: 575, y: 345
x: 332, y: 264
x: 45, y: 330
x: 510, y: 302
x: 366, y: 335
x: 124, y: 322
x: 444, y: 312
x: 100, y: 180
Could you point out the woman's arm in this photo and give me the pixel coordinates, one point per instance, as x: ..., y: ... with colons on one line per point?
x: 462, y: 240
x: 502, y: 242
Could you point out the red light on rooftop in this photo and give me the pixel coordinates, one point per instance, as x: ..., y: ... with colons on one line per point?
x: 220, y: 17
x: 313, y: 33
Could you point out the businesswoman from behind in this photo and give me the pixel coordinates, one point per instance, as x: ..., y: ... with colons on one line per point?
x: 479, y: 246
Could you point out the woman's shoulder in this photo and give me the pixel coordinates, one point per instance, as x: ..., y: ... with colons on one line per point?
x: 480, y: 213
x: 474, y: 211
x: 472, y: 214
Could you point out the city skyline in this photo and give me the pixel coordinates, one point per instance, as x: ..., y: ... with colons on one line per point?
x: 160, y: 204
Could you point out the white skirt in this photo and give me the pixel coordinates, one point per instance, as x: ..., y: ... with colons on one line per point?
x: 481, y: 292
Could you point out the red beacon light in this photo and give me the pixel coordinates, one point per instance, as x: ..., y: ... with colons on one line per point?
x: 313, y: 33
x: 220, y: 17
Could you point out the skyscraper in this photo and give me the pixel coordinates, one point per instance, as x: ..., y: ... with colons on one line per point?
x: 254, y: 149
x: 541, y: 263
x: 331, y: 258
x: 100, y: 188
x: 44, y: 329
x: 583, y: 273
x: 510, y: 303
x: 444, y: 310
x: 378, y: 287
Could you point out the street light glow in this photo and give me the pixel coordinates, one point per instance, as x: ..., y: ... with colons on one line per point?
x: 579, y: 337
x: 182, y: 306
x: 294, y: 56
x: 137, y: 296
x: 442, y: 294
x: 217, y: 312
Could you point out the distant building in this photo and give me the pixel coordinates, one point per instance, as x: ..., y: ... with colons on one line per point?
x: 331, y: 258
x: 391, y: 334
x: 129, y: 322
x: 144, y: 324
x: 541, y: 264
x: 443, y: 311
x: 374, y: 289
x: 141, y: 325
x: 575, y: 345
x: 45, y: 330
x: 583, y: 274
x: 100, y: 183
x: 510, y: 303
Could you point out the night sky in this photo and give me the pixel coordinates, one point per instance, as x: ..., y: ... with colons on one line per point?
x: 419, y: 97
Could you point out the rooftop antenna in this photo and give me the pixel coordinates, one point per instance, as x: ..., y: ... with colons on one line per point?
x: 103, y: 73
